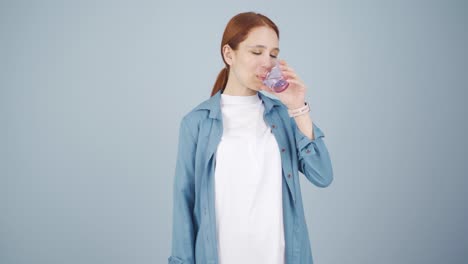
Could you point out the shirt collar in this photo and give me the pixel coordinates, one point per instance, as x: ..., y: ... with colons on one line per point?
x: 213, y: 104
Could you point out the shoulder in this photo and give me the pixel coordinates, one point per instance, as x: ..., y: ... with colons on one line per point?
x: 196, y: 115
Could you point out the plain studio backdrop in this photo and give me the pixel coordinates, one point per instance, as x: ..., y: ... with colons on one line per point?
x: 92, y: 94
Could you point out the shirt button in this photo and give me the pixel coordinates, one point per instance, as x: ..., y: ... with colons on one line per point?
x: 283, y: 150
x: 289, y: 175
x: 273, y: 126
x: 308, y: 151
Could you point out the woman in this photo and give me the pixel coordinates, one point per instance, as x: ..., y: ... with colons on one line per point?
x: 237, y: 198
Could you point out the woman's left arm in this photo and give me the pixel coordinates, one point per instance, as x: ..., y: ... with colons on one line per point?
x: 313, y: 157
x: 304, y: 123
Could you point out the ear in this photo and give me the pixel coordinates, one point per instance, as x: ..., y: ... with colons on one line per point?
x: 228, y: 54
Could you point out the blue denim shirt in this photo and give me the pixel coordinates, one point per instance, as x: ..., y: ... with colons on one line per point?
x: 194, y: 220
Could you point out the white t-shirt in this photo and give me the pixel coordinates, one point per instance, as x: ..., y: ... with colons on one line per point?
x: 248, y: 186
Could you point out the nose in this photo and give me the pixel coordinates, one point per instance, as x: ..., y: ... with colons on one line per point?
x: 268, y: 62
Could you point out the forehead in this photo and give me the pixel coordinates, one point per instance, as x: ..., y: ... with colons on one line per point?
x: 261, y: 36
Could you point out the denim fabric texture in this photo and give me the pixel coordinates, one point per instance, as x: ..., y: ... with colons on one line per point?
x: 194, y: 221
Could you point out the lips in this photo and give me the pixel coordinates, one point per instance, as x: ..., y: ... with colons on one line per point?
x: 262, y: 77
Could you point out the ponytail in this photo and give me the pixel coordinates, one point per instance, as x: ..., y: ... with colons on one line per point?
x: 221, y: 81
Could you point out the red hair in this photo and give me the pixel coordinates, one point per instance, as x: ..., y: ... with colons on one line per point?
x: 235, y: 32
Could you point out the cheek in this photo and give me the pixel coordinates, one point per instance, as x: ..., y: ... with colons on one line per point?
x: 253, y: 68
x: 249, y: 70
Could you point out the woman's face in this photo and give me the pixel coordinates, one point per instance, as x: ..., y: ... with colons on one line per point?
x: 254, y: 57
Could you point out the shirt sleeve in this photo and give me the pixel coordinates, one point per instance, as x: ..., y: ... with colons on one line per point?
x: 184, y: 229
x: 313, y: 157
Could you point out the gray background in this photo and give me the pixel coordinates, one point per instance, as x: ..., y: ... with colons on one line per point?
x: 92, y: 93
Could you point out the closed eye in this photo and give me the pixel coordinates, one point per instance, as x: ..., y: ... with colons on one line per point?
x: 259, y: 53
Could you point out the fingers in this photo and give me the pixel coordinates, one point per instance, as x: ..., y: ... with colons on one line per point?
x: 290, y: 75
x: 296, y: 82
x: 284, y: 66
x: 287, y: 71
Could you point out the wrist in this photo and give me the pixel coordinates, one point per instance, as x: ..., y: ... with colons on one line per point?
x: 304, y: 109
x: 296, y: 105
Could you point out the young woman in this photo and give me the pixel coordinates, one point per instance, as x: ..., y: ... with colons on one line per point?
x: 237, y: 198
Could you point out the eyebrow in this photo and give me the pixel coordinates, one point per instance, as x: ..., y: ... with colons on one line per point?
x: 262, y: 46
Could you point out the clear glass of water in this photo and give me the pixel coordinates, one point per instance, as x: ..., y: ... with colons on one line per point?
x: 275, y: 79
